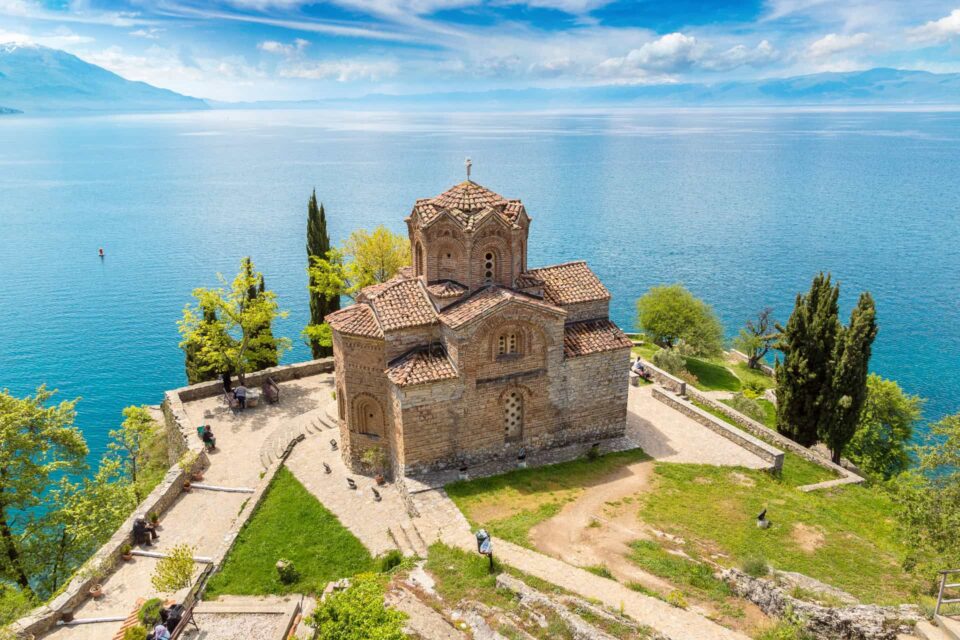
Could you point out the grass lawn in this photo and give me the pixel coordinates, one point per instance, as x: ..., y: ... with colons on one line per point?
x: 846, y: 537
x: 712, y: 376
x: 511, y: 504
x: 748, y: 375
x: 770, y: 412
x: 290, y: 523
x: 646, y: 350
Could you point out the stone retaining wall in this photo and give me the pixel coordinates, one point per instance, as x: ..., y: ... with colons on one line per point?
x: 758, y: 447
x: 664, y: 379
x: 779, y: 440
x: 856, y: 622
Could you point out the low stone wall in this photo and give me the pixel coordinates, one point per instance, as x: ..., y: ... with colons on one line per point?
x: 666, y: 380
x: 282, y: 373
x: 758, y: 447
x: 781, y: 441
x: 856, y: 622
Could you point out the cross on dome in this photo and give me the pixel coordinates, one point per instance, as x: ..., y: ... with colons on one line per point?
x: 469, y: 164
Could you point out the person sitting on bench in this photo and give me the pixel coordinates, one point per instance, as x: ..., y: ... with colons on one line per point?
x: 144, y: 532
x: 209, y: 440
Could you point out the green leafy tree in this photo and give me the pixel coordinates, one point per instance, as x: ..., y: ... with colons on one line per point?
x: 757, y: 337
x: 358, y: 613
x: 324, y: 300
x: 371, y: 257
x: 808, y: 343
x: 671, y: 315
x: 175, y: 571
x: 133, y: 442
x: 38, y: 442
x: 880, y: 445
x: 245, y: 313
x: 196, y: 361
x: 848, y: 377
x: 929, y: 498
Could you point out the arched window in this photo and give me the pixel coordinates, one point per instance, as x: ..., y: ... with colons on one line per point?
x: 418, y: 257
x: 513, y: 416
x: 368, y: 418
x: 508, y: 343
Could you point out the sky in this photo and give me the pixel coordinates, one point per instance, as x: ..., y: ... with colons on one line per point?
x: 241, y: 50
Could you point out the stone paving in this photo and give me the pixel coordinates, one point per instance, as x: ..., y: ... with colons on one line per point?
x: 668, y: 435
x: 198, y: 517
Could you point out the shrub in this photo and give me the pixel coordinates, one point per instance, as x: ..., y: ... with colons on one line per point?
x: 389, y: 560
x: 790, y: 627
x: 358, y: 613
x: 150, y: 611
x: 136, y: 632
x: 670, y: 360
x: 286, y: 572
x: 601, y: 570
x: 755, y: 566
x: 748, y: 407
x: 677, y: 599
x: 175, y: 571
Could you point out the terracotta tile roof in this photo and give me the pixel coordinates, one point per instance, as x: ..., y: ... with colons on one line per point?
x: 568, y: 283
x: 481, y: 301
x: 402, y: 304
x: 370, y: 292
x: 421, y: 366
x: 446, y: 289
x: 356, y: 320
x: 593, y: 336
x: 468, y: 203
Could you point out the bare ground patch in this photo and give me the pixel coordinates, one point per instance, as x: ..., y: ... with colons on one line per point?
x: 808, y: 538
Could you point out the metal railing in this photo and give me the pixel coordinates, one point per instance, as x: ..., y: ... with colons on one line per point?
x: 944, y: 586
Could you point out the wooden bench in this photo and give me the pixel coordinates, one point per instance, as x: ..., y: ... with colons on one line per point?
x: 271, y: 390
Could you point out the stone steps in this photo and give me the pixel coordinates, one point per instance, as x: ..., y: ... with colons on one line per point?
x: 400, y: 539
x: 415, y: 539
x: 316, y: 422
x: 927, y: 631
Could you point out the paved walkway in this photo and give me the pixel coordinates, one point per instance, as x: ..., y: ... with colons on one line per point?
x: 668, y: 435
x: 203, y: 518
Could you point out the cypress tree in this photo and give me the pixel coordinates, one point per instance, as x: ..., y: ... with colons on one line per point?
x: 849, y: 383
x: 318, y: 244
x: 262, y: 353
x: 804, y: 378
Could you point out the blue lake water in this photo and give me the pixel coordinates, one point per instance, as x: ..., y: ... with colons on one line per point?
x: 743, y: 207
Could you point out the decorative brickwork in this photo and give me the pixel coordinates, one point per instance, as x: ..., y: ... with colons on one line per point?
x: 468, y: 357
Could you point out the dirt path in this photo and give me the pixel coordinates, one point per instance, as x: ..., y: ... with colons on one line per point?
x: 598, y: 527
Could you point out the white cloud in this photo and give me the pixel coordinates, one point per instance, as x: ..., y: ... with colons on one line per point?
x: 937, y: 31
x: 669, y: 53
x: 740, y: 56
x: 833, y: 43
x: 282, y: 48
x: 61, y: 38
x: 152, y: 33
x: 340, y: 70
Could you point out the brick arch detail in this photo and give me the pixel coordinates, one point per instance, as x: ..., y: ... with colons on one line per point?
x: 503, y: 256
x: 366, y: 424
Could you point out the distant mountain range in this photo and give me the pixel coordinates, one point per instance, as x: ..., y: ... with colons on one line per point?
x: 38, y: 79
x: 875, y: 87
x: 35, y: 78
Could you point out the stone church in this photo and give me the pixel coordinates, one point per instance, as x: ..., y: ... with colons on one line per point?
x: 470, y: 355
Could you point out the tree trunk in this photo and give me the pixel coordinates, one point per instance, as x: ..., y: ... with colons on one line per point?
x: 753, y: 362
x: 13, y: 554
x: 835, y: 456
x: 225, y: 376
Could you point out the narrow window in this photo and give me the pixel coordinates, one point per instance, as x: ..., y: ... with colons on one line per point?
x: 513, y: 416
x: 489, y: 267
x: 501, y: 345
